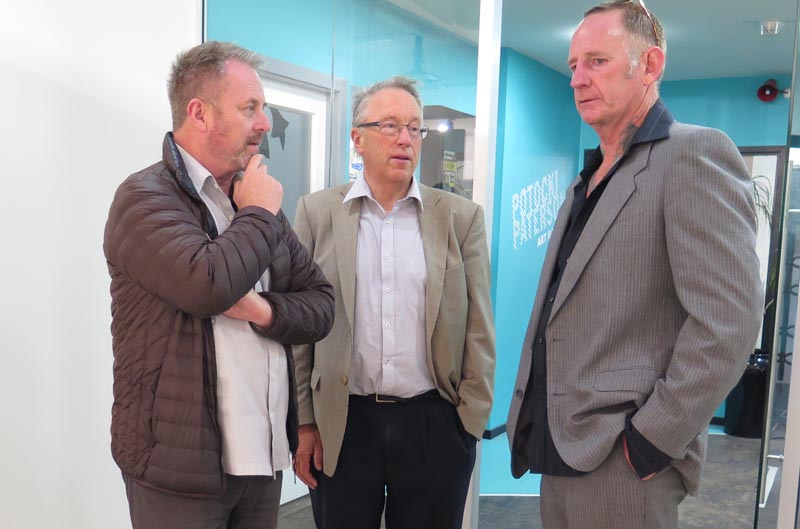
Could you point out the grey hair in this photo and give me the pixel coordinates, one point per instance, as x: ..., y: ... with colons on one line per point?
x: 644, y: 31
x: 361, y: 99
x: 197, y: 72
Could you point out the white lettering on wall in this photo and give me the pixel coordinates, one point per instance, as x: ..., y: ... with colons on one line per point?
x: 534, y: 210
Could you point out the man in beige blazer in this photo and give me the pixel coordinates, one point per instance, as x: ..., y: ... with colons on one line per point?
x: 393, y: 401
x: 649, y: 300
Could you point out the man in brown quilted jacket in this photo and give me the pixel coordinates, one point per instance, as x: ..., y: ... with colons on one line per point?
x: 210, y: 289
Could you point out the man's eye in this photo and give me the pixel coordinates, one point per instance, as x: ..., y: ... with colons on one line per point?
x: 413, y: 129
x: 388, y: 125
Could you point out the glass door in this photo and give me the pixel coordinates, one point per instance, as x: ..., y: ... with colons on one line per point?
x: 780, y: 469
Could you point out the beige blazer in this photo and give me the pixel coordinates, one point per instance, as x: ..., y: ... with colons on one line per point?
x: 458, y: 312
x: 658, y: 308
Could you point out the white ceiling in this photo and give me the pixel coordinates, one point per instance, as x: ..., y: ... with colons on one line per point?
x: 706, y: 38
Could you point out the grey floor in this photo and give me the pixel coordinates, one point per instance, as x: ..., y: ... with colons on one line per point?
x: 726, y: 500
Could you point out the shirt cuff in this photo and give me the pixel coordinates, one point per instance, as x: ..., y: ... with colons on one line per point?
x: 645, y: 458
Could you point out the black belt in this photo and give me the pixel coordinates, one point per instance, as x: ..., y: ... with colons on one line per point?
x: 391, y: 399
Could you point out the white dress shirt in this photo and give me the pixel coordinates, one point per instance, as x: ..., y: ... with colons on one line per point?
x: 252, y: 371
x: 389, y: 345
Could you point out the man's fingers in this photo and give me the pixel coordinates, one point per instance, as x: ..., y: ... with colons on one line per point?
x: 302, y: 470
x: 256, y: 161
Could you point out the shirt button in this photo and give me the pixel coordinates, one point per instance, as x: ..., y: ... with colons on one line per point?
x: 388, y: 325
x: 540, y: 340
x: 386, y: 256
x: 551, y: 300
x: 387, y: 290
x: 344, y: 380
x: 519, y: 393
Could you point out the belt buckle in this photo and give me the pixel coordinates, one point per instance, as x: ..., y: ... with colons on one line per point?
x: 383, y: 401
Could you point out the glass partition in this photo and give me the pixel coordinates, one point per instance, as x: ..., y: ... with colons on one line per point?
x: 435, y: 43
x: 317, y: 54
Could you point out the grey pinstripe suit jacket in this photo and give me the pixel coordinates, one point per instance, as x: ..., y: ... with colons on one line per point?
x: 658, y: 308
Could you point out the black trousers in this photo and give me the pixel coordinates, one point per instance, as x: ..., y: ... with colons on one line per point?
x: 414, y: 457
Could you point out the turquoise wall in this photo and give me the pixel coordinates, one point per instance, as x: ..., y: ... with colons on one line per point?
x: 728, y: 104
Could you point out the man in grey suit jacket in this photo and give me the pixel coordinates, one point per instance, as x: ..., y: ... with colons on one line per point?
x: 393, y: 400
x: 649, y: 300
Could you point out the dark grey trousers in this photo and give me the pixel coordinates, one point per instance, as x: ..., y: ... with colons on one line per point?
x: 612, y: 497
x: 251, y: 502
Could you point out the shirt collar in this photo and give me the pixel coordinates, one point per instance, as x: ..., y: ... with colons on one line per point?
x: 654, y: 127
x: 360, y: 188
x: 197, y: 173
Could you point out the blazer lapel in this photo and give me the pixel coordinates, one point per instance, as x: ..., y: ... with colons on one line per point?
x: 550, y: 258
x: 433, y: 224
x: 345, y: 234
x: 619, y: 190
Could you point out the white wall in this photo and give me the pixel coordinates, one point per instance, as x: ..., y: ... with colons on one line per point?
x: 82, y: 89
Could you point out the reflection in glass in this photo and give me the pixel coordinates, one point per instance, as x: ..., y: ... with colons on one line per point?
x: 287, y: 148
x: 777, y: 421
x: 448, y: 150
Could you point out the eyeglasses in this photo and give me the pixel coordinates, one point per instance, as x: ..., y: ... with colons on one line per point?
x: 392, y: 128
x: 652, y: 20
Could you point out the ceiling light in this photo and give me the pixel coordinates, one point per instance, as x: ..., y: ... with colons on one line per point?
x: 771, y: 27
x: 444, y: 126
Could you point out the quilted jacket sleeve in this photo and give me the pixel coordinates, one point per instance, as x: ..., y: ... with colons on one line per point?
x: 153, y: 237
x: 303, y: 311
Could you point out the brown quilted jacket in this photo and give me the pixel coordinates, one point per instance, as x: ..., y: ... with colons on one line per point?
x: 170, y: 272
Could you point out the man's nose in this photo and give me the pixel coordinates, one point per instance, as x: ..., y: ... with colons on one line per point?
x: 578, y: 78
x: 262, y: 123
x: 403, y: 137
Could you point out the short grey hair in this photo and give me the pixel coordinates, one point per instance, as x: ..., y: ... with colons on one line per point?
x: 361, y: 99
x: 644, y: 31
x: 197, y: 72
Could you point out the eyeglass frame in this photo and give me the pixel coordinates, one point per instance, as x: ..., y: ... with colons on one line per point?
x: 422, y: 130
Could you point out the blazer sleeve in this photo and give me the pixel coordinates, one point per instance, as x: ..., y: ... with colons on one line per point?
x: 304, y: 354
x: 477, y: 376
x: 710, y: 225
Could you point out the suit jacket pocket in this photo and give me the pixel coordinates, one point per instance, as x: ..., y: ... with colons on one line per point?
x: 636, y: 379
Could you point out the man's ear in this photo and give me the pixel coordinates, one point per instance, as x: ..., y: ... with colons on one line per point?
x: 198, y: 114
x: 654, y: 60
x: 358, y: 140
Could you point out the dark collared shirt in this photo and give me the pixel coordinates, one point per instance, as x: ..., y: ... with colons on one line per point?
x: 543, y: 458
